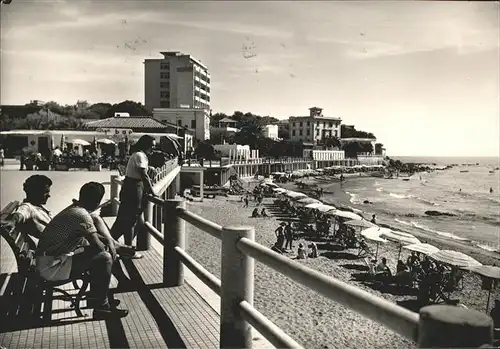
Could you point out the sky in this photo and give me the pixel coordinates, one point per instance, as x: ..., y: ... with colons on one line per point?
x: 424, y: 77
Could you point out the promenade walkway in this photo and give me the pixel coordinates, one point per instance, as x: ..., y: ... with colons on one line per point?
x: 160, y: 317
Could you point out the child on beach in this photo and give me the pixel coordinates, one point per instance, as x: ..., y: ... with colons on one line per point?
x: 314, y: 250
x: 301, y: 252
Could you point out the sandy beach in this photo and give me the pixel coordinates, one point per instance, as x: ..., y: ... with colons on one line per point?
x: 311, y: 319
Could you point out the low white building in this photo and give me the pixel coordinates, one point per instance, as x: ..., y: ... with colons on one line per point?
x: 225, y: 127
x: 234, y: 151
x: 197, y: 119
x: 270, y: 131
x: 324, y: 155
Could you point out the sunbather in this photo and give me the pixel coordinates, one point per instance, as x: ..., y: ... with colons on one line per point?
x: 255, y: 213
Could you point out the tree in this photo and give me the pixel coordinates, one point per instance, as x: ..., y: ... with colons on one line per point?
x: 379, y: 147
x: 352, y: 149
x: 216, y: 118
x: 100, y: 109
x: 204, y: 150
x: 131, y: 107
x: 366, y: 148
x: 284, y: 133
x: 332, y: 142
x: 351, y: 132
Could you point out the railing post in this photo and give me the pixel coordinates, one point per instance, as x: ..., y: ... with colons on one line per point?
x: 453, y: 327
x: 237, y: 279
x: 143, y: 236
x: 114, y: 194
x: 175, y: 235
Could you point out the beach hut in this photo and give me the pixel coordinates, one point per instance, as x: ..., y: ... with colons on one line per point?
x: 373, y: 234
x: 490, y: 273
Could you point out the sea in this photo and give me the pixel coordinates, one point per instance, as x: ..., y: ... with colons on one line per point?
x: 402, y: 204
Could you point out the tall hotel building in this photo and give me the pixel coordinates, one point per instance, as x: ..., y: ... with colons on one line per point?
x: 176, y: 81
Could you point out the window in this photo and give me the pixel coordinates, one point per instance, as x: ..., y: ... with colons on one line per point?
x: 164, y: 104
x: 293, y: 132
x: 164, y: 85
x: 300, y: 124
x: 165, y: 94
x: 193, y: 124
x: 179, y: 122
x: 308, y: 123
x: 165, y: 66
x: 294, y: 124
x: 164, y: 75
x: 300, y: 132
x: 330, y: 124
x: 308, y: 132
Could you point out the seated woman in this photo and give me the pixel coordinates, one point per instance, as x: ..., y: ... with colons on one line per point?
x: 301, y: 252
x: 255, y: 213
x: 263, y: 213
x: 314, y: 250
x: 401, y: 267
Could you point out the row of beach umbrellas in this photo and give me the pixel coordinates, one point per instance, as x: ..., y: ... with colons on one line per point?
x: 407, y: 241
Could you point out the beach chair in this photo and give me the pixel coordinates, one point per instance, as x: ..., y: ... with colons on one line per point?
x: 364, y: 249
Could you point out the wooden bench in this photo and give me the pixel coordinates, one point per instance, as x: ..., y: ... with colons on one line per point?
x: 23, y: 248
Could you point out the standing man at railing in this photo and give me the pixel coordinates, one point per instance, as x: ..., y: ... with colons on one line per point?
x: 136, y: 185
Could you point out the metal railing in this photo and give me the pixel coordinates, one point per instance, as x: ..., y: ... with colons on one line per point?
x: 435, y: 326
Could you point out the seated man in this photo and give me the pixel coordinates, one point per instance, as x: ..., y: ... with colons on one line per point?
x: 31, y: 216
x: 255, y: 213
x: 70, y: 246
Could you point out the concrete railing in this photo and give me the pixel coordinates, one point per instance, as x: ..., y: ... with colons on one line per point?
x: 434, y: 326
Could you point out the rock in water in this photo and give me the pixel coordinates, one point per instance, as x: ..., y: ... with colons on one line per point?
x: 438, y: 213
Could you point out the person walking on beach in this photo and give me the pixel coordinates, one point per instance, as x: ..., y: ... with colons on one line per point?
x: 246, y: 201
x: 288, y: 236
x: 133, y: 192
x: 280, y: 237
x: 373, y: 220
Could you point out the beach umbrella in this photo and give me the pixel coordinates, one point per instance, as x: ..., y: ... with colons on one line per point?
x: 345, y: 214
x: 295, y: 195
x: 307, y: 201
x: 360, y: 224
x: 106, y: 141
x: 399, y: 237
x: 373, y: 234
x: 426, y: 249
x: 454, y: 258
x: 325, y: 208
x: 488, y: 271
x: 78, y: 141
x: 314, y: 205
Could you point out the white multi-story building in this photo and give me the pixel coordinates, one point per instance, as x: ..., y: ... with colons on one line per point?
x: 175, y: 81
x: 270, y: 131
x: 193, y: 118
x: 314, y: 128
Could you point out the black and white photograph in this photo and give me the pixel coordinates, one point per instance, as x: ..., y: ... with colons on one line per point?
x: 249, y: 174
